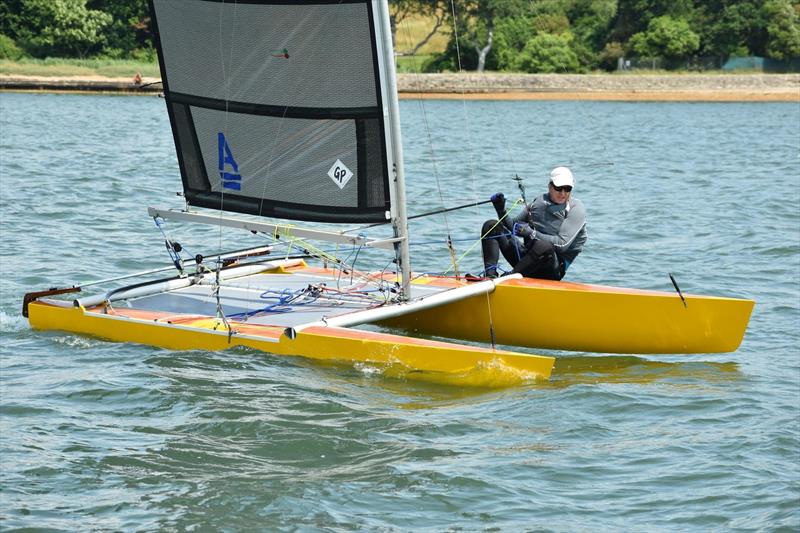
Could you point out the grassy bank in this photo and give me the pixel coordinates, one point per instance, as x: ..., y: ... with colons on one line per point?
x: 64, y: 68
x: 413, y: 29
x: 127, y: 68
x: 410, y: 32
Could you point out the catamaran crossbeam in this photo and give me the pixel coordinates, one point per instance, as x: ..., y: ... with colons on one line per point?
x: 280, y: 231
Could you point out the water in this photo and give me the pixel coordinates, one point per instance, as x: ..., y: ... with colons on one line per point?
x: 102, y: 436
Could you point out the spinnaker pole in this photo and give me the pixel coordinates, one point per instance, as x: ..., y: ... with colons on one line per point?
x: 399, y: 218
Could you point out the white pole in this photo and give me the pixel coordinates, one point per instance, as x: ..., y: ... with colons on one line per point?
x: 400, y: 222
x: 390, y: 311
x: 174, y: 284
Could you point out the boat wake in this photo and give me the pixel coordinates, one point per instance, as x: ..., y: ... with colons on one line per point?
x: 574, y: 370
x: 12, y: 323
x: 490, y: 375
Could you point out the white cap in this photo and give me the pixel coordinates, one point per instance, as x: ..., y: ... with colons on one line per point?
x: 561, y: 176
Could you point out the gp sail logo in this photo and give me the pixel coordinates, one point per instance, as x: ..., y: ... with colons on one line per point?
x: 229, y: 179
x: 340, y: 174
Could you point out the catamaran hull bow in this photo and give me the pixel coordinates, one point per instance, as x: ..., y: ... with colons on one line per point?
x: 589, y: 318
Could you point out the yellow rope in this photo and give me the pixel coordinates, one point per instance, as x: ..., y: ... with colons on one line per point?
x: 313, y: 250
x: 515, y: 204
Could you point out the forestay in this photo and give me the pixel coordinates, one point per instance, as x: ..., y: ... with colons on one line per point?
x: 276, y: 107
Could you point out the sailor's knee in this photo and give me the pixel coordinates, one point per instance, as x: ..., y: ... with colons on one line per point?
x: 488, y: 226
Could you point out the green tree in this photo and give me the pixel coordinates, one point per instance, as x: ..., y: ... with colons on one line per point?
x: 511, y: 36
x: 541, y: 43
x: 591, y: 22
x: 473, y: 31
x: 731, y: 28
x: 783, y: 29
x: 129, y: 32
x: 549, y: 53
x: 634, y: 16
x: 9, y: 49
x: 61, y: 28
x: 610, y: 55
x: 666, y: 37
x: 9, y: 18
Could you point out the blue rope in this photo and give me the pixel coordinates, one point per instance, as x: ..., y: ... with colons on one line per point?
x: 175, y: 256
x: 284, y: 298
x: 516, y: 248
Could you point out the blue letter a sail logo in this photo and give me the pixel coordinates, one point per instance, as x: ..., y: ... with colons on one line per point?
x: 232, y: 179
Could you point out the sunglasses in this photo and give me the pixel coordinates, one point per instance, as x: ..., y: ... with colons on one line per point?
x: 563, y: 188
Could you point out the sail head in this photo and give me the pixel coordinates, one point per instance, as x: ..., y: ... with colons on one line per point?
x: 276, y: 107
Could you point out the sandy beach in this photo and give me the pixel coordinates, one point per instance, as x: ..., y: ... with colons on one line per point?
x: 618, y: 87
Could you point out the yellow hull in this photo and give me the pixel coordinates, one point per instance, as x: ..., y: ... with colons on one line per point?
x: 396, y: 355
x: 589, y: 318
x: 519, y: 312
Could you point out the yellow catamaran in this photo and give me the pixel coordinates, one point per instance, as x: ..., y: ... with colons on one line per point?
x: 288, y: 111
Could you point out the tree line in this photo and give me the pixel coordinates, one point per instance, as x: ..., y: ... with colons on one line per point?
x: 507, y: 35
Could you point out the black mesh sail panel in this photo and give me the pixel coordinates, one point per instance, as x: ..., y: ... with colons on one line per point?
x: 276, y: 106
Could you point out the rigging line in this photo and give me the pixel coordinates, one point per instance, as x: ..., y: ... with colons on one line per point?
x: 455, y: 34
x: 228, y: 82
x: 309, y: 248
x: 347, y: 268
x: 471, y: 163
x: 292, y: 96
x: 426, y: 125
x: 220, y: 312
x: 355, y: 260
x: 464, y: 100
x: 420, y: 215
x: 443, y: 211
x: 337, y: 263
x: 563, y: 67
x: 505, y: 142
x: 173, y: 248
x: 470, y: 132
x: 504, y: 139
x: 341, y: 271
x: 516, y: 203
x: 225, y: 76
x: 439, y: 243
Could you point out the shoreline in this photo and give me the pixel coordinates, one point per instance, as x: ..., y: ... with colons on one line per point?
x: 689, y: 87
x: 616, y: 96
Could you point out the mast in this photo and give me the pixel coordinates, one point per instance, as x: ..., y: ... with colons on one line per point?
x: 398, y: 186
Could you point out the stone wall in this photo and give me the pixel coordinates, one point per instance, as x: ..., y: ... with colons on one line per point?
x: 497, y: 82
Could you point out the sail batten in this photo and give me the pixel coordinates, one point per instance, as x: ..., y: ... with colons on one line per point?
x: 276, y: 107
x: 276, y: 110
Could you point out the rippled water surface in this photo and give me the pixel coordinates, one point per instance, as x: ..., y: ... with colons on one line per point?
x: 103, y: 436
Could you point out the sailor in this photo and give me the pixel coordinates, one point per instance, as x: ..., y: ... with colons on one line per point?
x: 546, y: 236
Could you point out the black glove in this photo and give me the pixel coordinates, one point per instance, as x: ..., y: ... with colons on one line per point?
x: 522, y: 229
x: 499, y: 203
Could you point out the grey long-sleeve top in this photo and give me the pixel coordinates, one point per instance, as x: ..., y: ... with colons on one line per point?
x: 562, y: 225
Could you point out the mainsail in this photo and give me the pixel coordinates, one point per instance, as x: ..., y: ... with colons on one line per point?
x: 277, y: 107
